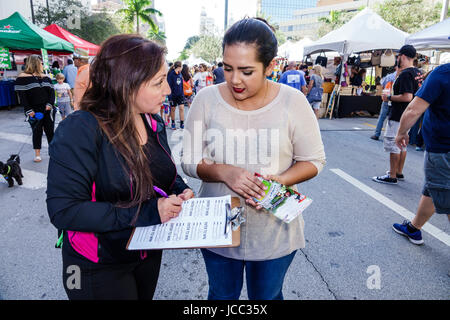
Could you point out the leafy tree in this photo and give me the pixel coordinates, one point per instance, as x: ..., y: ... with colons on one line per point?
x: 208, y: 47
x: 190, y: 42
x: 97, y: 27
x: 407, y: 15
x: 139, y: 10
x: 335, y: 20
x: 185, y: 53
x: 410, y: 15
x: 94, y: 28
x: 57, y: 12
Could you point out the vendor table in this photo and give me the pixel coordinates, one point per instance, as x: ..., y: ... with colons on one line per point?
x: 349, y: 104
x: 7, y: 94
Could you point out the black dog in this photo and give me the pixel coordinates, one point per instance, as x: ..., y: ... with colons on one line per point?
x: 12, y: 170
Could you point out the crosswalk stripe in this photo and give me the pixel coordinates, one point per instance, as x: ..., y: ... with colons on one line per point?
x: 405, y: 213
x: 21, y: 138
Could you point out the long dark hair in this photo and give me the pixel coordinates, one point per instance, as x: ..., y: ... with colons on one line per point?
x: 185, y: 73
x: 123, y: 64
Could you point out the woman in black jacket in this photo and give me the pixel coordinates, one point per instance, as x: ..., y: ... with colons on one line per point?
x: 105, y: 161
x: 37, y: 96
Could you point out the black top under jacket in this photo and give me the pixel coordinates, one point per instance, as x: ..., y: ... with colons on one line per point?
x: 81, y: 154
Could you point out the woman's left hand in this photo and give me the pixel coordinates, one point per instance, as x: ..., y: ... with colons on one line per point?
x: 48, y: 107
x: 186, y: 195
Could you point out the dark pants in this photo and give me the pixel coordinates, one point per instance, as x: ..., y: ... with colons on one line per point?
x: 264, y: 278
x: 46, y: 124
x: 130, y: 281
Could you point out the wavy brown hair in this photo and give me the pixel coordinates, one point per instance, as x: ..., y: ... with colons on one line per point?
x: 123, y: 64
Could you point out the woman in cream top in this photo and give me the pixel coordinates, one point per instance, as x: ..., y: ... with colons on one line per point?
x: 246, y: 125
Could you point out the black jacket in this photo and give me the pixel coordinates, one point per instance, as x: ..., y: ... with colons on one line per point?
x: 80, y: 154
x: 35, y: 93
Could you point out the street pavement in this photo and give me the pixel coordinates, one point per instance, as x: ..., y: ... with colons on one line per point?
x: 351, y: 250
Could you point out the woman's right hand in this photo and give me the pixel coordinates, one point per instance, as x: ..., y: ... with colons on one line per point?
x: 244, y: 183
x: 32, y: 114
x: 169, y: 208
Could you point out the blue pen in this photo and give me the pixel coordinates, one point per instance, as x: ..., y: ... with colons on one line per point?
x: 160, y: 191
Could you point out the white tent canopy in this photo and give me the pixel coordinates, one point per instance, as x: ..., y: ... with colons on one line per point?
x: 293, y: 51
x: 365, y: 31
x: 193, y: 60
x: 435, y: 37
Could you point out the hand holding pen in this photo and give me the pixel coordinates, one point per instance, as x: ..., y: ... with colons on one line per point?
x: 169, y: 207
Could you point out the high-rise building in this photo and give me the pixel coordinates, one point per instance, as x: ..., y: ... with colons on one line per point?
x: 207, y: 24
x: 282, y: 10
x: 306, y: 23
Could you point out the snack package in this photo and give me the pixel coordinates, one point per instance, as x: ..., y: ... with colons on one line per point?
x: 283, y: 202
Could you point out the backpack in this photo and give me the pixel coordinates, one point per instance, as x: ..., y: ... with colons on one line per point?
x: 209, y: 81
x: 187, y: 89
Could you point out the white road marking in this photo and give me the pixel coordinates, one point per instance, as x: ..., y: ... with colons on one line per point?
x: 429, y: 228
x: 21, y: 138
x: 32, y: 180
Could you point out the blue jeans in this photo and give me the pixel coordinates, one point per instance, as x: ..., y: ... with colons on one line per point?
x: 264, y: 278
x: 383, y: 114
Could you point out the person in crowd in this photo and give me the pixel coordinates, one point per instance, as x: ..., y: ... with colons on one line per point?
x: 209, y: 77
x: 294, y: 78
x: 37, y: 97
x: 304, y: 70
x: 218, y: 74
x: 24, y: 64
x: 55, y: 68
x: 248, y: 102
x: 355, y: 79
x: 188, y: 85
x: 431, y: 101
x: 176, y: 98
x: 405, y: 86
x: 315, y: 90
x: 200, y: 78
x: 105, y: 162
x: 359, y: 80
x: 81, y: 58
x: 70, y: 73
x: 64, y: 98
x: 386, y: 84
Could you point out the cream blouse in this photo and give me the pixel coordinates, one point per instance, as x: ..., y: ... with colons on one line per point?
x: 268, y: 140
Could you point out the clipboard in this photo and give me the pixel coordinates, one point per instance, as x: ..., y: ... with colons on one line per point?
x: 235, y: 234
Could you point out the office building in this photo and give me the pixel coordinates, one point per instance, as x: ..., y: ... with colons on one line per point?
x: 207, y: 24
x: 278, y: 11
x: 306, y: 23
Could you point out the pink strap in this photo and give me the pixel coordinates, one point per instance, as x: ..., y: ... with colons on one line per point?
x: 93, y: 193
x: 85, y: 243
x: 152, y: 122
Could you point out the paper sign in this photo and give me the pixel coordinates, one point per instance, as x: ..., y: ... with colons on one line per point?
x: 5, y: 59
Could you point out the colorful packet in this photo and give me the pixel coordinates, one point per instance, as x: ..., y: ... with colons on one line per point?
x: 282, y: 201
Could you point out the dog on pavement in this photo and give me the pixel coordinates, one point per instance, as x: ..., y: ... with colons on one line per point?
x: 11, y: 169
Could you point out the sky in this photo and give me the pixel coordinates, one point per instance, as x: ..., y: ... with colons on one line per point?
x: 182, y: 18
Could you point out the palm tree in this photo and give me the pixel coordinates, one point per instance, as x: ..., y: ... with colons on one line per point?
x: 157, y: 35
x: 140, y: 10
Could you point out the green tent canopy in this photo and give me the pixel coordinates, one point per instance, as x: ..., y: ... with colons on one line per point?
x: 18, y: 33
